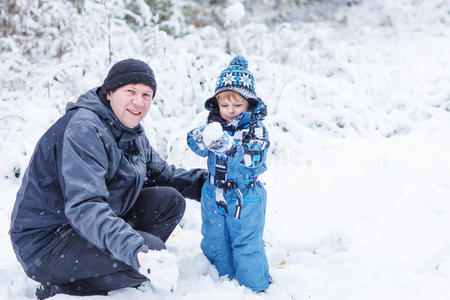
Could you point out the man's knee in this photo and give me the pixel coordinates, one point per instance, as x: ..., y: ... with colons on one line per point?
x: 158, y: 211
x: 162, y: 198
x: 176, y: 201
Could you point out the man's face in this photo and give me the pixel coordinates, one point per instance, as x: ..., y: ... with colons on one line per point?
x: 131, y: 103
x: 231, y: 104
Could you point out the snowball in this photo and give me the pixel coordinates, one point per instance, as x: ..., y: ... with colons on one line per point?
x: 212, y: 132
x: 160, y: 266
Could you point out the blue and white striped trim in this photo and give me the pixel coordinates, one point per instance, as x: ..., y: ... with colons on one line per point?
x: 240, y: 90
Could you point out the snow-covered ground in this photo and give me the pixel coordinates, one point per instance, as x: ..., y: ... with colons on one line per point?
x: 358, y: 178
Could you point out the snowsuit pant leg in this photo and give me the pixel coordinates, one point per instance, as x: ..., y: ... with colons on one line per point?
x: 246, y: 233
x: 77, y: 267
x: 216, y: 243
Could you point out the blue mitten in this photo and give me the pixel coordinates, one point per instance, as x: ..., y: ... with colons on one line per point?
x: 197, y: 135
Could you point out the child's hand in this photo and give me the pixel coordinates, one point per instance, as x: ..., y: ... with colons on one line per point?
x: 197, y: 135
x: 160, y: 267
x: 216, y: 140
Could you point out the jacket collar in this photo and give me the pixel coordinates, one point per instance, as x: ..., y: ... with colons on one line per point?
x: 96, y: 102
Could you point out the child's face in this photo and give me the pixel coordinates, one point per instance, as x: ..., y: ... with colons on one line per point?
x: 231, y: 104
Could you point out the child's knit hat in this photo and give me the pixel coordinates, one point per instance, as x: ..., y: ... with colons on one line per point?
x: 236, y: 77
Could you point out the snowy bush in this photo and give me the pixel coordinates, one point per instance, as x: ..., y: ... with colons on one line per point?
x: 334, y: 79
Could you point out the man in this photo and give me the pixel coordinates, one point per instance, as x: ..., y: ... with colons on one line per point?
x: 96, y: 196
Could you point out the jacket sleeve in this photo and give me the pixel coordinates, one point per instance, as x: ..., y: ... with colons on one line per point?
x: 198, y: 149
x: 83, y: 167
x: 188, y: 182
x: 252, y: 150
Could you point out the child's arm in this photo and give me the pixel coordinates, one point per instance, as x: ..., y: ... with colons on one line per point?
x: 195, y: 141
x: 252, y: 150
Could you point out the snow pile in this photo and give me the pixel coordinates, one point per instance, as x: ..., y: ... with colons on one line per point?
x: 359, y: 103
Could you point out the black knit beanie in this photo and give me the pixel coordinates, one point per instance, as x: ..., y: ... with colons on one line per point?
x: 129, y: 71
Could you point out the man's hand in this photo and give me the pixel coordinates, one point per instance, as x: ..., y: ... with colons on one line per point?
x: 160, y: 267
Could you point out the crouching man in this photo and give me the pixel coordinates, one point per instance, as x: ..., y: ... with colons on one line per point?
x: 97, y: 203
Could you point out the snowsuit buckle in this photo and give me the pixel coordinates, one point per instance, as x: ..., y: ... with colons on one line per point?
x: 228, y: 185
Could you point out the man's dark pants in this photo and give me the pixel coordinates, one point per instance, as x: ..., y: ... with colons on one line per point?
x: 76, y: 267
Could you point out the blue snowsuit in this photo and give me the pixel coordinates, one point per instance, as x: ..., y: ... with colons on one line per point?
x: 235, y: 245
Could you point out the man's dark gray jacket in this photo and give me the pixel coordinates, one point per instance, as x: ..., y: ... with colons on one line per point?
x: 87, y: 170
